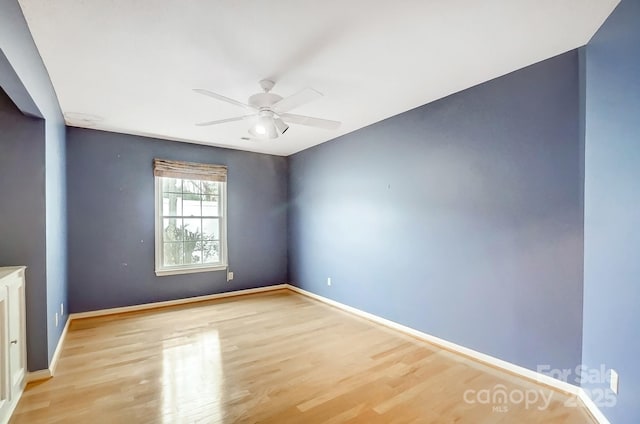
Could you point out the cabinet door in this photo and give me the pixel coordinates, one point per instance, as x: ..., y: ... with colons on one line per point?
x: 5, y: 395
x: 17, y: 342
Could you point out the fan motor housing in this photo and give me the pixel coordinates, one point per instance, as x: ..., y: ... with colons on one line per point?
x: 264, y: 100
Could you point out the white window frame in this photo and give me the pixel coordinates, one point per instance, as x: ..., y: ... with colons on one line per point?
x: 190, y: 268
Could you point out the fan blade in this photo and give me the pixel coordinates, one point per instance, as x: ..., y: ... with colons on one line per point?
x: 222, y: 121
x: 221, y: 97
x: 298, y: 99
x: 310, y: 122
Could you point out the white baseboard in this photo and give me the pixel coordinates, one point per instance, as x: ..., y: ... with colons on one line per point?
x: 56, y: 353
x: 13, y: 403
x: 470, y: 353
x: 154, y: 305
x: 49, y: 372
x: 593, y: 409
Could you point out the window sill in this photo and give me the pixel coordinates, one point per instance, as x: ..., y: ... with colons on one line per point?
x: 192, y: 270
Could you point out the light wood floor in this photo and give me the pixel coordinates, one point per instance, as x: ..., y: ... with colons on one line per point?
x: 271, y: 358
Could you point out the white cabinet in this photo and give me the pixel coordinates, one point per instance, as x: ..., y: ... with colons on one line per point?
x: 13, y: 346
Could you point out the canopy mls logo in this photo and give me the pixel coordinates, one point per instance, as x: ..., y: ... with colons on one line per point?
x: 500, y: 398
x: 583, y: 376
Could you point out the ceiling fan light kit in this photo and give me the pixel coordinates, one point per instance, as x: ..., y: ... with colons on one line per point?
x: 270, y: 119
x: 265, y: 126
x: 281, y: 126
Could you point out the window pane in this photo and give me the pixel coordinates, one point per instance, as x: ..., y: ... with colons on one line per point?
x: 211, y: 252
x: 172, y: 254
x: 191, y: 186
x: 172, y: 185
x: 210, y: 205
x: 191, y: 204
x: 192, y: 252
x: 210, y: 229
x: 187, y: 239
x: 210, y: 187
x: 192, y: 229
x: 171, y: 204
x: 172, y: 229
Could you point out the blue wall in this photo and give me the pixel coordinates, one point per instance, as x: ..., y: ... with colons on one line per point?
x: 612, y: 207
x: 16, y: 91
x: 111, y: 220
x: 56, y: 231
x: 469, y: 208
x: 461, y: 218
x: 25, y: 79
x: 22, y: 215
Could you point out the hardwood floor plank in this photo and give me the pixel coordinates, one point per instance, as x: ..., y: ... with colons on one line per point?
x: 273, y: 357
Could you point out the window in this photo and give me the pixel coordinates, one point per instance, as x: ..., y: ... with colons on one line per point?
x: 190, y: 217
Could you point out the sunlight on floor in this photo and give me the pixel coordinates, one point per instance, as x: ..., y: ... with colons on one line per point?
x: 192, y: 378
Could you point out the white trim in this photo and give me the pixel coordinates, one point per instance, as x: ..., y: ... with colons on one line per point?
x: 224, y: 243
x: 16, y: 275
x: 475, y: 355
x: 13, y: 403
x: 478, y: 356
x: 47, y: 373
x: 189, y: 269
x: 481, y: 357
x: 593, y: 409
x: 56, y: 353
x: 145, y: 306
x: 158, y: 225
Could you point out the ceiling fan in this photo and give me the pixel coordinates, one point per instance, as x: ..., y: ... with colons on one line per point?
x: 269, y: 117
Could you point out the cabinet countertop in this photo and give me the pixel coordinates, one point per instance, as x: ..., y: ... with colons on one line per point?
x: 7, y: 270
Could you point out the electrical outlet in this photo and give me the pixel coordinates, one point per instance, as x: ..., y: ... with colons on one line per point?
x: 62, y: 309
x: 229, y: 275
x: 56, y: 319
x: 328, y: 281
x: 613, y: 381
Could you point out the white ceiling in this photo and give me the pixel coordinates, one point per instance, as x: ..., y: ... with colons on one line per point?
x: 130, y: 65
